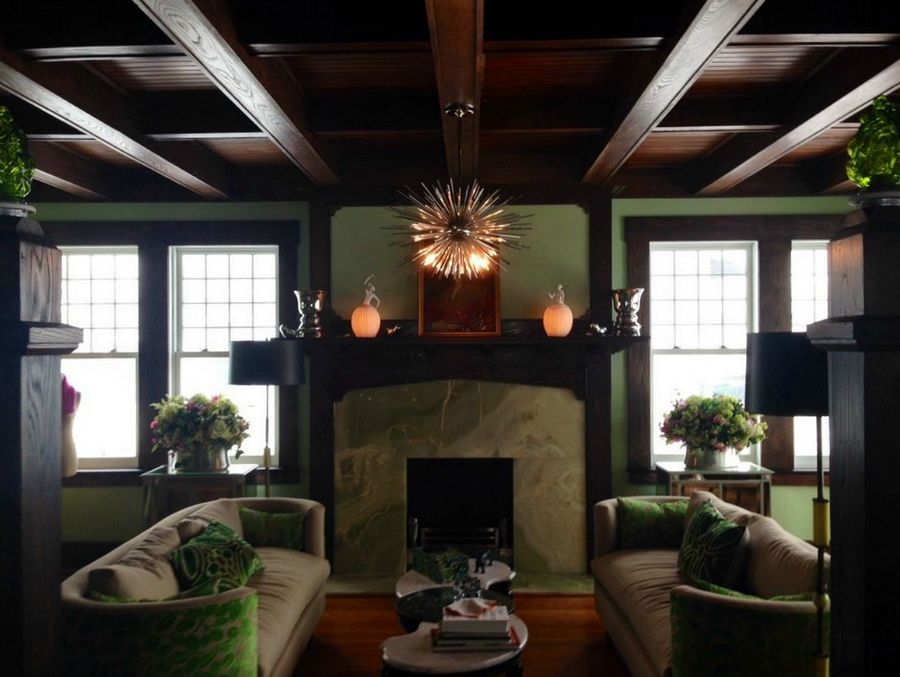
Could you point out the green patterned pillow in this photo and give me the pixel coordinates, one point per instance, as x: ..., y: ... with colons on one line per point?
x: 713, y: 549
x: 720, y: 590
x: 274, y: 529
x: 648, y: 524
x: 217, y: 559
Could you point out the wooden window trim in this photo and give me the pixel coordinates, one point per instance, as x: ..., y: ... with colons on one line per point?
x: 153, y: 239
x: 773, y: 235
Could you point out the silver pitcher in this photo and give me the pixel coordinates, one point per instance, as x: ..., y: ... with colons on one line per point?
x: 310, y: 304
x: 627, y: 303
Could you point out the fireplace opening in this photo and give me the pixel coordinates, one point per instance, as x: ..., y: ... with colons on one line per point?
x: 463, y: 503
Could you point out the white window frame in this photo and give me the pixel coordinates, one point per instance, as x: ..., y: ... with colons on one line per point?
x: 677, y: 453
x: 808, y: 461
x: 109, y: 462
x: 175, y: 352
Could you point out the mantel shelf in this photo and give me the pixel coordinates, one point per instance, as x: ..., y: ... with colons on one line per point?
x: 345, y: 363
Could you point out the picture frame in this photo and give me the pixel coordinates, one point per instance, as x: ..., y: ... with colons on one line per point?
x: 459, y: 306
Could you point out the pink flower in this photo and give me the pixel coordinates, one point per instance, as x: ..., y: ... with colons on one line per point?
x: 154, y: 424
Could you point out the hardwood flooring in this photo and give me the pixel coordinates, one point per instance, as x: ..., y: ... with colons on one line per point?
x: 566, y: 637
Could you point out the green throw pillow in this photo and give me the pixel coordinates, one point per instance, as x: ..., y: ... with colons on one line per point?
x: 273, y: 529
x: 648, y: 524
x: 215, y: 560
x: 721, y: 590
x: 713, y: 548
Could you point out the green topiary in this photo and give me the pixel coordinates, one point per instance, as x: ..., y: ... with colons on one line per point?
x: 875, y: 149
x: 16, y: 165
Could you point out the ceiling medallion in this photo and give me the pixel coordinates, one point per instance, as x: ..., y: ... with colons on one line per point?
x: 457, y: 231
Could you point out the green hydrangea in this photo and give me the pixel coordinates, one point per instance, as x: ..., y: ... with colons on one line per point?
x: 16, y: 165
x: 199, y: 423
x: 718, y: 422
x: 875, y: 149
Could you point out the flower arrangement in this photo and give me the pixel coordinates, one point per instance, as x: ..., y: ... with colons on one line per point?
x: 718, y: 422
x: 199, y: 424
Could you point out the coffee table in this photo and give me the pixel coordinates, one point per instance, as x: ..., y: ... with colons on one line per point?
x: 412, y: 655
x: 496, y: 575
x: 426, y: 606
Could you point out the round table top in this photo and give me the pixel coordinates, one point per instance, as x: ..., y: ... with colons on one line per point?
x: 413, y: 652
x: 428, y: 605
x: 495, y: 572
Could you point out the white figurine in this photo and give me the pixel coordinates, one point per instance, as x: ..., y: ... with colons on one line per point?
x: 559, y: 296
x: 370, y: 293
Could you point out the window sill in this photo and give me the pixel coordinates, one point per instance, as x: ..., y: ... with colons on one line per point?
x: 780, y: 478
x: 131, y: 477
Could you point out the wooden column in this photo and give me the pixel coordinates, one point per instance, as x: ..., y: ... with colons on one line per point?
x: 863, y: 333
x: 31, y: 342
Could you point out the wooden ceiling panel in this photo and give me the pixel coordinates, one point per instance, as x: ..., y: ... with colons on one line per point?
x: 752, y: 69
x: 247, y: 152
x: 529, y: 73
x: 831, y: 142
x: 154, y: 73
x: 367, y: 70
x: 671, y: 149
x: 92, y: 149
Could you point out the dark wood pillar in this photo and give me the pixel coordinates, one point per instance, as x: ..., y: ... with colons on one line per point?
x: 31, y: 342
x: 863, y: 335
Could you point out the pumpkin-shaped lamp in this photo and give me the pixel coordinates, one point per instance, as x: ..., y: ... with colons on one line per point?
x: 365, y: 320
x: 558, y: 316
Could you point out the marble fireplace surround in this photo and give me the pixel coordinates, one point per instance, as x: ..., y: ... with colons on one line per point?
x: 569, y: 376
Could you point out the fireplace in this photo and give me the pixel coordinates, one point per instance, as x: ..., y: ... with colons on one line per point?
x: 536, y: 432
x: 464, y: 503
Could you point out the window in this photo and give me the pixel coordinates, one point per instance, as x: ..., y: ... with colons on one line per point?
x: 702, y: 306
x: 100, y: 295
x: 224, y: 294
x: 809, y: 303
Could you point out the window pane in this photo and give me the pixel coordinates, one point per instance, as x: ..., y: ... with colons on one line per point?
x: 662, y: 262
x: 264, y: 291
x: 710, y: 262
x: 241, y: 265
x: 734, y: 287
x: 711, y: 336
x: 662, y: 312
x: 193, y: 291
x: 734, y: 262
x: 685, y: 287
x: 209, y: 375
x: 217, y: 291
x: 217, y: 265
x: 685, y: 262
x: 193, y: 265
x: 79, y: 266
x: 106, y: 419
x: 264, y: 265
x: 241, y: 291
x: 677, y: 376
x: 103, y: 291
x: 663, y: 336
x: 805, y: 436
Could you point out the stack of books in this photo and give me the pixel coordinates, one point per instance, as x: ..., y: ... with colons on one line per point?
x: 474, y: 624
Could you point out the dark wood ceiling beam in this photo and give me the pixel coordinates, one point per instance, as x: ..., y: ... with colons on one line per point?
x: 87, y: 104
x: 262, y: 91
x: 845, y: 86
x: 709, y: 28
x: 828, y: 176
x: 68, y: 172
x: 456, y: 28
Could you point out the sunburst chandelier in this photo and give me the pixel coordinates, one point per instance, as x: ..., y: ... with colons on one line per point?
x: 458, y: 231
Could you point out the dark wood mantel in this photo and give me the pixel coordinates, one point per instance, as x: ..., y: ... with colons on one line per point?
x: 579, y: 363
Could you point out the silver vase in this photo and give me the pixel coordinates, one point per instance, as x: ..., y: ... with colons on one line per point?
x: 310, y: 304
x: 627, y: 303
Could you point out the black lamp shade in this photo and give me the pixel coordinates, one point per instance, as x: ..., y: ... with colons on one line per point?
x: 277, y: 362
x: 786, y: 375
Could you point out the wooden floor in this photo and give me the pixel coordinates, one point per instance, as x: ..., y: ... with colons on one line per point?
x: 565, y: 637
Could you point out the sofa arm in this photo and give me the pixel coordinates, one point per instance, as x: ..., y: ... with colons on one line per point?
x: 715, y: 634
x: 210, y: 635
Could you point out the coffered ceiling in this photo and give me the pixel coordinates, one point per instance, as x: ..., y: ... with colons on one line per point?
x: 269, y: 99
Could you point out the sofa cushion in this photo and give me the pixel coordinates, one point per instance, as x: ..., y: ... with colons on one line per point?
x: 222, y: 510
x: 646, y: 524
x: 144, y: 573
x: 640, y: 582
x: 271, y: 529
x: 780, y: 563
x: 218, y: 558
x: 286, y: 587
x: 713, y: 549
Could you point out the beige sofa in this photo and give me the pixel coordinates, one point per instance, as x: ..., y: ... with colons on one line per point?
x: 262, y: 628
x: 661, y: 626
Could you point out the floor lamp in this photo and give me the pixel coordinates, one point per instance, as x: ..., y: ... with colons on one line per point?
x: 276, y: 362
x: 786, y: 376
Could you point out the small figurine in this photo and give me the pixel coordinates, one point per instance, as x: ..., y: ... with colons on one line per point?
x: 483, y: 560
x: 559, y: 296
x: 370, y: 293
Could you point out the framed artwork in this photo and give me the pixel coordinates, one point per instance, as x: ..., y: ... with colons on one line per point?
x: 459, y: 306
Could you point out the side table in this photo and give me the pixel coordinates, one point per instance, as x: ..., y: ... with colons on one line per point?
x: 749, y: 485
x: 165, y: 492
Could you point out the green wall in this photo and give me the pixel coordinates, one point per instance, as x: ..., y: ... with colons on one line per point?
x: 556, y: 254
x: 114, y: 513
